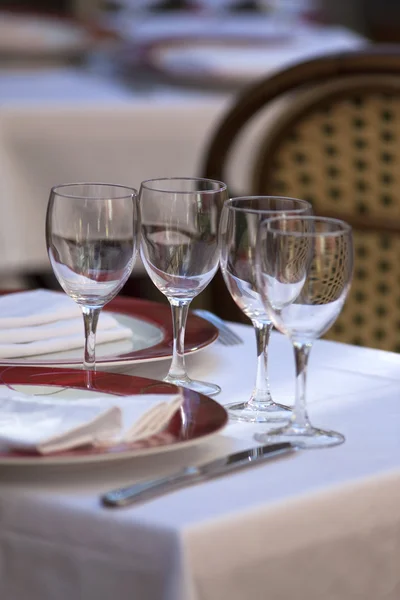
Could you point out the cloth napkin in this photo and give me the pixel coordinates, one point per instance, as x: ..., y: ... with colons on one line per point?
x: 42, y: 322
x: 48, y: 424
x: 35, y: 307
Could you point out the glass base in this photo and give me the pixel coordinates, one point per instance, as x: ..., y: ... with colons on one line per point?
x: 303, y: 437
x: 202, y: 387
x: 261, y: 412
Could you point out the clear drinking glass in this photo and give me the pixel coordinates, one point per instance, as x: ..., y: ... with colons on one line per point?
x: 92, y: 233
x: 240, y: 220
x: 304, y: 271
x: 179, y: 249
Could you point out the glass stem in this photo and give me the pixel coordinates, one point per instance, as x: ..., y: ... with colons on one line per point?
x: 300, y: 417
x: 180, y: 309
x: 90, y: 320
x: 261, y: 393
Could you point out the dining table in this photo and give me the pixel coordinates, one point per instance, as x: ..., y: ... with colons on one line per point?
x: 321, y: 523
x: 103, y: 120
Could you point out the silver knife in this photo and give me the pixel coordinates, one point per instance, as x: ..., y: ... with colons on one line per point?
x: 139, y: 492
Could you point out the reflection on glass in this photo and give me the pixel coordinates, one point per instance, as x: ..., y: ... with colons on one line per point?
x: 304, y: 272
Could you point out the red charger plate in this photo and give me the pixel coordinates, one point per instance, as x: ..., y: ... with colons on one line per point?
x: 199, y: 418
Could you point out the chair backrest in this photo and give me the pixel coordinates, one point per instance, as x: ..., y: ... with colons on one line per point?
x: 337, y: 144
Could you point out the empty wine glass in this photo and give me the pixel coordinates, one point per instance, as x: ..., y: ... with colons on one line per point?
x: 304, y: 271
x: 240, y: 220
x: 179, y: 249
x: 92, y: 232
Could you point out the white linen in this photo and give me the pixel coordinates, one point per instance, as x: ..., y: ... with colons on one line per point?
x: 35, y: 307
x: 63, y: 343
x: 42, y: 321
x: 66, y: 327
x: 318, y: 524
x: 67, y: 125
x: 47, y: 424
x: 243, y: 64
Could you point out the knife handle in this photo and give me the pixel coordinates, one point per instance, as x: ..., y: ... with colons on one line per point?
x: 139, y: 492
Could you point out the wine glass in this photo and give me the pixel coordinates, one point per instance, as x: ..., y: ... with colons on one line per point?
x: 179, y: 249
x: 92, y: 232
x: 238, y: 234
x: 304, y: 269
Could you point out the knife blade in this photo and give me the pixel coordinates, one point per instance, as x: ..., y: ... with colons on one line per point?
x: 140, y: 492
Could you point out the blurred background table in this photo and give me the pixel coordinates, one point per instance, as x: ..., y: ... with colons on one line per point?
x: 69, y: 125
x: 110, y: 117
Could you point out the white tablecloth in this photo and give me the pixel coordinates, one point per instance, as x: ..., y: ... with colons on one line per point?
x: 58, y: 126
x: 318, y: 524
x: 80, y: 127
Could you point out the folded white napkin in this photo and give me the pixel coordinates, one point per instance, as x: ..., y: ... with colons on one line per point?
x: 35, y: 307
x: 48, y: 424
x: 42, y: 322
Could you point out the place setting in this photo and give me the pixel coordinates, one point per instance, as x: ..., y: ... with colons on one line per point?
x: 54, y: 416
x: 44, y: 327
x: 61, y: 403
